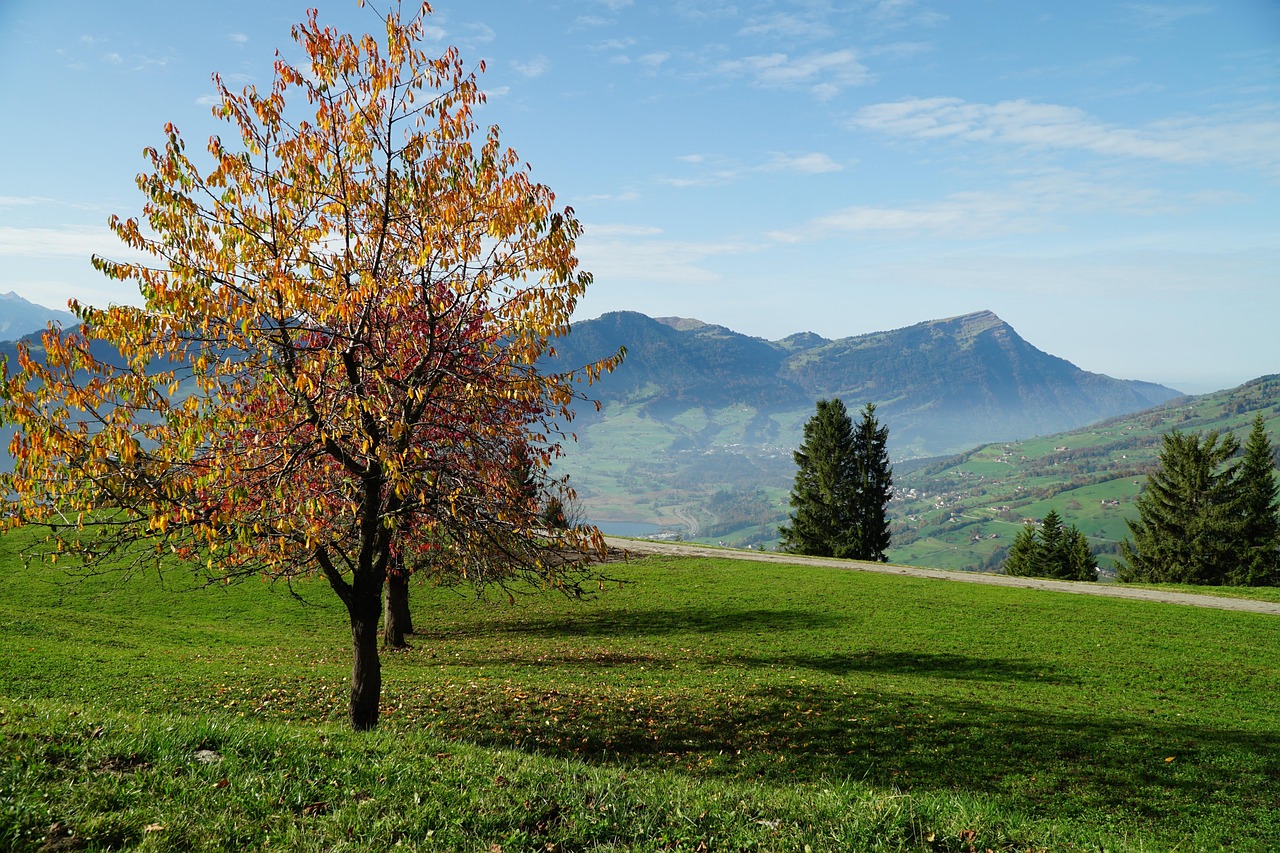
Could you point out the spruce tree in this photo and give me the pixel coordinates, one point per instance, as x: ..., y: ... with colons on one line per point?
x: 1052, y: 551
x: 1189, y: 525
x: 1080, y: 562
x: 1022, y: 553
x: 1259, y: 508
x: 824, y: 497
x: 1049, y: 558
x: 875, y: 487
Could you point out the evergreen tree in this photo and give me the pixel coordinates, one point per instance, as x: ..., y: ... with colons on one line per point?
x: 1189, y: 525
x: 824, y: 496
x: 1080, y: 562
x: 875, y: 487
x: 1052, y: 551
x: 1259, y: 507
x: 1049, y: 558
x: 1021, y: 559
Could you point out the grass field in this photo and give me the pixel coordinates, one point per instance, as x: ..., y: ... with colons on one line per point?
x: 705, y: 705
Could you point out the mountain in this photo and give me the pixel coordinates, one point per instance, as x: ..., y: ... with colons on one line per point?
x: 19, y: 317
x: 698, y: 424
x: 942, y: 385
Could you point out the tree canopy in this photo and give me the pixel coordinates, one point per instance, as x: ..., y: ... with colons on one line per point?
x: 335, y: 361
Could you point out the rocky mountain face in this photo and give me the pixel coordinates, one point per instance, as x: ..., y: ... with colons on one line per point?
x: 942, y: 386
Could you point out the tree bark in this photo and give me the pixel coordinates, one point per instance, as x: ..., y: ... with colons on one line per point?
x: 397, y: 620
x: 366, y: 669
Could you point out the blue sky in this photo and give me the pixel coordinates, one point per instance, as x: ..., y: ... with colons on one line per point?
x: 1104, y: 176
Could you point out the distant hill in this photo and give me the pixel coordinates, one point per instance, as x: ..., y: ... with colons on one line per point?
x: 18, y: 317
x: 962, y: 512
x: 699, y: 422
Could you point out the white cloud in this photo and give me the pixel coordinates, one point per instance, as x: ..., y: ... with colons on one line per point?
x: 1252, y: 142
x: 963, y: 215
x: 822, y: 74
x: 615, y: 5
x: 238, y: 38
x: 634, y: 253
x: 655, y: 59
x: 718, y: 170
x: 535, y: 67
x: 78, y: 241
x: 786, y: 26
x: 1160, y: 17
x: 807, y: 164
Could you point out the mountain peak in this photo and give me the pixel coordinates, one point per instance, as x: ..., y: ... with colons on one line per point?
x: 681, y: 324
x: 23, y: 317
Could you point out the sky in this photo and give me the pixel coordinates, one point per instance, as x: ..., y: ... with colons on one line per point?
x: 1105, y: 176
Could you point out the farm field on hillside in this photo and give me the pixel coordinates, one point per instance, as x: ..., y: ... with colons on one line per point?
x: 706, y: 701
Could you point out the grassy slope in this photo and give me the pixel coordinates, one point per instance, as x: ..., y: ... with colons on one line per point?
x: 735, y: 705
x: 639, y: 468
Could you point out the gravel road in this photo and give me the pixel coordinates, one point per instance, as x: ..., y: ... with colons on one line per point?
x: 684, y: 549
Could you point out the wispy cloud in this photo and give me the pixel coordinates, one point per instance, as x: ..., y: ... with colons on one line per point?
x: 1252, y: 142
x: 1162, y: 17
x: 783, y: 25
x: 238, y: 38
x: 711, y: 170
x: 963, y: 215
x: 823, y: 75
x: 1032, y: 204
x: 641, y: 253
x: 535, y: 67
x: 78, y: 241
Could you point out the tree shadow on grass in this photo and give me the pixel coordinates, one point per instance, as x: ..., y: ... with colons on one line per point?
x: 1152, y: 771
x: 640, y: 623
x: 961, y: 667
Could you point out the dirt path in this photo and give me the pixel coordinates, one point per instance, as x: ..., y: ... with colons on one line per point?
x: 684, y: 549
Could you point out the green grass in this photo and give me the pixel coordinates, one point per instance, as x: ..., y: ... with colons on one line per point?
x: 709, y: 704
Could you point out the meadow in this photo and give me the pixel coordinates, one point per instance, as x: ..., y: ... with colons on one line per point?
x: 704, y: 704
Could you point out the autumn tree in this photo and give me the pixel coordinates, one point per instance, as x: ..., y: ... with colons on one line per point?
x: 336, y: 350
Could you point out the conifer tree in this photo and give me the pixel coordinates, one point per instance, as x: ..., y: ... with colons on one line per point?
x: 1259, y: 508
x: 1052, y: 551
x: 875, y: 487
x: 824, y: 496
x: 842, y: 487
x: 1189, y: 524
x: 1019, y: 563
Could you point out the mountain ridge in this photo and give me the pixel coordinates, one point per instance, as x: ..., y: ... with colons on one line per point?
x: 20, y: 317
x: 948, y: 383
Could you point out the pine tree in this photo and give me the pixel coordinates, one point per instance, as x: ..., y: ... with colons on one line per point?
x: 824, y: 496
x: 875, y: 487
x: 1259, y: 507
x: 1189, y: 526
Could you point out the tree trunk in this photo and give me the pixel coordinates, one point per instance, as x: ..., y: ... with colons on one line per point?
x: 397, y: 621
x: 366, y: 668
